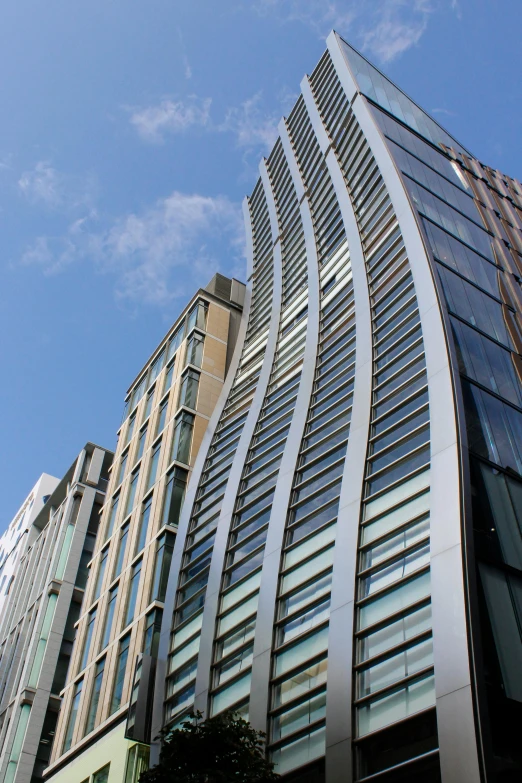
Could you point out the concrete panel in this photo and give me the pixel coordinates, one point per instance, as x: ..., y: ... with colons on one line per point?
x: 93, y: 476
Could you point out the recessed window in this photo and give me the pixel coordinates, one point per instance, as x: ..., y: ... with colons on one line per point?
x: 121, y: 666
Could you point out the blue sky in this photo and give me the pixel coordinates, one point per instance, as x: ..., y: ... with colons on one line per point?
x: 130, y: 133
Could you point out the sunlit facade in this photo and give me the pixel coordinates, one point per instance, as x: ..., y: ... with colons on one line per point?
x: 347, y: 570
x: 43, y: 594
x: 167, y: 409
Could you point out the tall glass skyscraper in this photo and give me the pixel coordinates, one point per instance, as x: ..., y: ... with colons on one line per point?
x: 348, y: 566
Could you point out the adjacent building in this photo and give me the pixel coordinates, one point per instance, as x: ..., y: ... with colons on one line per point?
x: 41, y: 605
x: 100, y: 732
x: 347, y: 571
x: 15, y: 540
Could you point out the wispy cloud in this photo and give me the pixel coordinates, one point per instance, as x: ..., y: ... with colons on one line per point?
x: 251, y: 125
x: 321, y: 15
x: 153, y: 123
x: 382, y: 28
x: 397, y: 26
x: 154, y: 255
x: 42, y: 184
x: 45, y: 185
x: 184, y: 59
x: 447, y: 112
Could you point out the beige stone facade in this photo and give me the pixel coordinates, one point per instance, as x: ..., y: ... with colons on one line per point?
x: 167, y: 411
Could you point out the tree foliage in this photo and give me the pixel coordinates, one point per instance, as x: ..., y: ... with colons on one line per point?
x: 224, y: 749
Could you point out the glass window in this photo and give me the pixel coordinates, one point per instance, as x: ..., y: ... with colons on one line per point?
x: 88, y: 639
x: 411, y: 462
x: 232, y: 597
x: 395, y: 600
x: 494, y: 428
x: 503, y: 597
x: 122, y: 544
x: 169, y: 376
x: 156, y: 368
x: 397, y: 705
x: 394, y: 544
x: 395, y: 633
x: 197, y: 316
x: 133, y: 593
x: 402, y: 427
x: 144, y: 525
x: 395, y: 668
x: 236, y: 616
x: 175, y: 341
x: 138, y: 392
x: 189, y: 389
x: 455, y: 223
x: 398, y: 449
x: 304, y: 621
x: 194, y: 354
x: 101, y: 572
x: 311, y: 545
x: 301, y: 682
x: 141, y: 443
x: 305, y: 595
x: 164, y: 549
x: 416, y: 405
x: 484, y: 361
x: 182, y: 440
x: 318, y: 501
x: 148, y: 405
x: 327, y: 513
x: 238, y: 663
x: 397, y: 495
x: 497, y: 513
x: 181, y: 700
x: 121, y: 665
x: 453, y: 253
x: 109, y: 617
x: 300, y: 751
x: 102, y: 776
x: 174, y: 496
x: 123, y: 463
x: 298, y: 653
x: 236, y: 639
x: 182, y: 677
x: 73, y: 715
x: 180, y: 657
x: 244, y: 567
x: 299, y: 716
x: 152, y: 632
x: 473, y: 306
x: 228, y: 696
x: 304, y: 572
x: 138, y: 761
x: 247, y: 547
x: 95, y: 696
x: 45, y: 631
x: 112, y: 515
x: 133, y: 485
x: 162, y: 416
x: 153, y: 465
x: 130, y: 429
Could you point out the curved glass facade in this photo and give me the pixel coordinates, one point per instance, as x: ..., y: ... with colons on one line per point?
x: 351, y: 576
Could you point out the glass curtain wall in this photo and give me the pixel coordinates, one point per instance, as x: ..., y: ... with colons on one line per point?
x: 393, y: 660
x: 298, y: 689
x: 472, y: 219
x: 244, y: 558
x: 190, y: 597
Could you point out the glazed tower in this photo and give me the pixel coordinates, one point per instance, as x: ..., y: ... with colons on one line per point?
x: 348, y: 566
